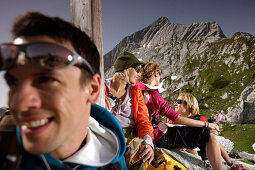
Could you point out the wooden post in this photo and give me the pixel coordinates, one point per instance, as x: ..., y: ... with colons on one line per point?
x: 87, y: 15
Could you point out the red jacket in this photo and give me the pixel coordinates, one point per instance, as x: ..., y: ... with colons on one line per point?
x: 141, y: 114
x: 157, y: 103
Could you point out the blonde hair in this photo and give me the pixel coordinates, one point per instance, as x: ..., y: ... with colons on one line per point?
x: 148, y: 70
x: 191, y: 102
x: 122, y: 75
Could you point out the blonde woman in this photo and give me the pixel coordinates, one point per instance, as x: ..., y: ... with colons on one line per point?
x: 194, y: 134
x: 187, y: 106
x: 125, y: 100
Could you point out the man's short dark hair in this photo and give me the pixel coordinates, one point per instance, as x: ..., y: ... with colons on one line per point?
x: 37, y: 24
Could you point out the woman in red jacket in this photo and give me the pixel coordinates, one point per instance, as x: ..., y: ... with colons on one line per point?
x: 125, y: 100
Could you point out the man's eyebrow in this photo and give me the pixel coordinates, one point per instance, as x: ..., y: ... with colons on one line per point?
x: 41, y: 73
x: 47, y: 72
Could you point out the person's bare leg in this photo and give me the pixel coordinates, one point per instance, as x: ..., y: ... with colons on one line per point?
x: 224, y: 154
x: 213, y: 152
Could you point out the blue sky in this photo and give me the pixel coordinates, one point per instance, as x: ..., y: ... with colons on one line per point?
x: 121, y: 17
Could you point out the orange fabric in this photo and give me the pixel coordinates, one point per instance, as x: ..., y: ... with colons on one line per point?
x: 106, y: 89
x: 141, y: 114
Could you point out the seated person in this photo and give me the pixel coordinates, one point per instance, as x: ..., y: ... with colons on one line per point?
x: 187, y: 106
x: 125, y: 100
x: 194, y: 134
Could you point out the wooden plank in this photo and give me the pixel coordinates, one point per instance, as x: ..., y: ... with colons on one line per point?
x: 87, y: 15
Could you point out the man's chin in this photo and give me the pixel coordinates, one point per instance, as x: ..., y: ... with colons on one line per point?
x: 36, y: 148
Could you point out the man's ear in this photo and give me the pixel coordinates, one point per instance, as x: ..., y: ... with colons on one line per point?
x: 94, y: 89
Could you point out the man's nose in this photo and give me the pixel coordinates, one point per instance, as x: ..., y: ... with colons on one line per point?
x: 24, y: 98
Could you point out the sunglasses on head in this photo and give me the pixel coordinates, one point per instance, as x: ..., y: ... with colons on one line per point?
x: 47, y: 55
x: 138, y: 68
x: 180, y: 101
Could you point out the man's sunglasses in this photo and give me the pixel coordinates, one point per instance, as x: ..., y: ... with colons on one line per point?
x: 180, y: 101
x: 138, y: 68
x: 47, y: 55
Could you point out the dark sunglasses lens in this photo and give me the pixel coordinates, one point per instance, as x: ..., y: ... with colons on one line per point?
x: 49, y: 55
x: 8, y: 56
x: 138, y: 69
x: 179, y: 101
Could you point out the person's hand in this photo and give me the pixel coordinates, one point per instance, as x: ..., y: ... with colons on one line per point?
x: 214, y: 128
x: 238, y: 167
x: 127, y: 140
x: 108, y: 103
x: 146, y: 152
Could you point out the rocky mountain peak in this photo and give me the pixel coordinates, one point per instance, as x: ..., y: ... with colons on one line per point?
x: 160, y: 32
x: 161, y: 21
x: 243, y: 35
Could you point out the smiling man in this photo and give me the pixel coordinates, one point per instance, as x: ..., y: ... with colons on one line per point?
x: 52, y: 70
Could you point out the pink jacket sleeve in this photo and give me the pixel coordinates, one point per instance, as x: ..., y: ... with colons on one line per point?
x: 164, y: 108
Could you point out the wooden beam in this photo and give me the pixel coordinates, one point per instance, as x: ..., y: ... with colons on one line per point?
x: 87, y: 15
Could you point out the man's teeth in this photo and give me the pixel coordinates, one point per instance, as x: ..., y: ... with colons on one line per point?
x: 37, y: 123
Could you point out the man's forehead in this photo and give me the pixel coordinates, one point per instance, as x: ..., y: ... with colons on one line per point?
x: 40, y: 38
x: 29, y: 39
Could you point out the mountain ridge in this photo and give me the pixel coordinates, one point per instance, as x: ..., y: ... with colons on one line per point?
x: 175, y: 32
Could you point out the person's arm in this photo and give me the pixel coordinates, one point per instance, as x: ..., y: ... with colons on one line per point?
x: 146, y: 152
x: 141, y: 114
x: 196, y: 123
x: 164, y: 108
x: 143, y: 125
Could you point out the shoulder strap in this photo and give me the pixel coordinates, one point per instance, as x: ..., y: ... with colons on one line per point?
x: 201, y: 118
x: 114, y: 166
x: 10, y: 155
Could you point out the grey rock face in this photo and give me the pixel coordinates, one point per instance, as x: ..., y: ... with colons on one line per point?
x: 243, y: 155
x: 247, y: 156
x: 241, y: 113
x: 226, y: 143
x: 158, y: 34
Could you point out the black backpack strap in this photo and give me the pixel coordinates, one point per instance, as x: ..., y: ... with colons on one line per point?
x: 197, y: 117
x: 10, y: 155
x: 115, y: 166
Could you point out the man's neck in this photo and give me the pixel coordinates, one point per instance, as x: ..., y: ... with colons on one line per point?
x: 66, y: 150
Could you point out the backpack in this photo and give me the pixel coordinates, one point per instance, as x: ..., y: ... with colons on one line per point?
x: 203, y: 118
x: 10, y: 155
x: 162, y: 159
